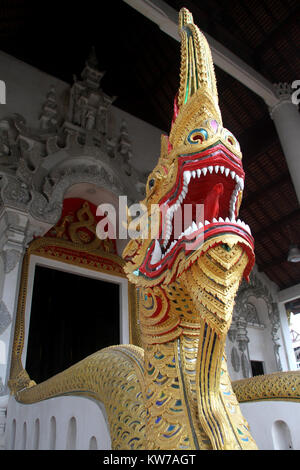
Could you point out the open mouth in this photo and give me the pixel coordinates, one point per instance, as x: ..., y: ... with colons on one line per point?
x: 204, y: 204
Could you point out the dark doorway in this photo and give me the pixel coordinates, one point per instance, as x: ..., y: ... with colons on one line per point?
x: 257, y: 368
x: 71, y: 317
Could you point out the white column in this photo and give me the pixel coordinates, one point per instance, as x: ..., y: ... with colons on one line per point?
x: 287, y: 340
x: 286, y: 117
x: 17, y: 229
x: 13, y: 234
x: 13, y: 231
x: 284, y: 296
x: 3, y: 411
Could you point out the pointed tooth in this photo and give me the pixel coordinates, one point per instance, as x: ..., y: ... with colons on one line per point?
x: 227, y: 171
x: 180, y: 198
x: 194, y: 173
x: 220, y: 219
x: 217, y: 168
x: 237, y: 179
x: 227, y: 219
x: 194, y: 227
x: 204, y: 171
x: 241, y: 183
x: 172, y: 244
x: 232, y: 174
x: 198, y: 173
x: 239, y: 221
x: 156, y: 255
x: 206, y: 222
x: 215, y: 221
x: 200, y: 225
x: 187, y: 176
x: 210, y: 169
x: 222, y: 169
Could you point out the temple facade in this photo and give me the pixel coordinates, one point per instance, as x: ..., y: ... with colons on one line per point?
x: 64, y: 151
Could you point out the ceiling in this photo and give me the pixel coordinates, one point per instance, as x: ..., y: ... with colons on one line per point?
x: 142, y: 70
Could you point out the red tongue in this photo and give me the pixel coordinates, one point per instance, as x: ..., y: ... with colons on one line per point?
x: 211, y: 202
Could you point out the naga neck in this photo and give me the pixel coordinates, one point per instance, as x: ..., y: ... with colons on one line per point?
x: 184, y: 327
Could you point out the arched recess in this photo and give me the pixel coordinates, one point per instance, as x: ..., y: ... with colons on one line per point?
x: 281, y: 436
x: 71, y: 246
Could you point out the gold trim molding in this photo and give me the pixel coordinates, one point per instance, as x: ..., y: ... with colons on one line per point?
x: 284, y: 386
x: 76, y: 254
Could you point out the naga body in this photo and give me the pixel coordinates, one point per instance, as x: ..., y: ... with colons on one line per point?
x: 175, y: 392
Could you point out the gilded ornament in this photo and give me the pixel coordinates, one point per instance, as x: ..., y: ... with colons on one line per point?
x: 174, y: 392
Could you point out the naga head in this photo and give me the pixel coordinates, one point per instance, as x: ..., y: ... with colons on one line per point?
x: 200, y: 168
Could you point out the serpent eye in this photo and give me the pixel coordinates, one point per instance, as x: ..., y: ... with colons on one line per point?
x: 151, y: 183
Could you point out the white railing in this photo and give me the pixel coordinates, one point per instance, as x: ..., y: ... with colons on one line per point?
x: 274, y: 424
x: 62, y: 423
x: 80, y: 423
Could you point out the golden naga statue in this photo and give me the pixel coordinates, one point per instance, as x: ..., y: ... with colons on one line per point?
x: 175, y: 392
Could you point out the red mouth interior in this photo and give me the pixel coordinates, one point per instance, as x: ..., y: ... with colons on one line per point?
x: 214, y: 191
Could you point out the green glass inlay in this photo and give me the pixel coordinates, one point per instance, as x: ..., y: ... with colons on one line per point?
x: 226, y: 247
x: 159, y: 356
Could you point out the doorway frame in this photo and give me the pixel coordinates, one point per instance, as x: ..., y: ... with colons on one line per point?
x: 122, y: 282
x: 73, y: 258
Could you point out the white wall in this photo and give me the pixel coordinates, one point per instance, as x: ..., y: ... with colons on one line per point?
x: 262, y: 417
x: 57, y: 424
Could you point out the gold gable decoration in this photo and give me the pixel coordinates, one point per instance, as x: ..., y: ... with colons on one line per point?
x: 79, y: 226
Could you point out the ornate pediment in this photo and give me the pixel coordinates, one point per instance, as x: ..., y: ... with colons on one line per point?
x: 71, y: 145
